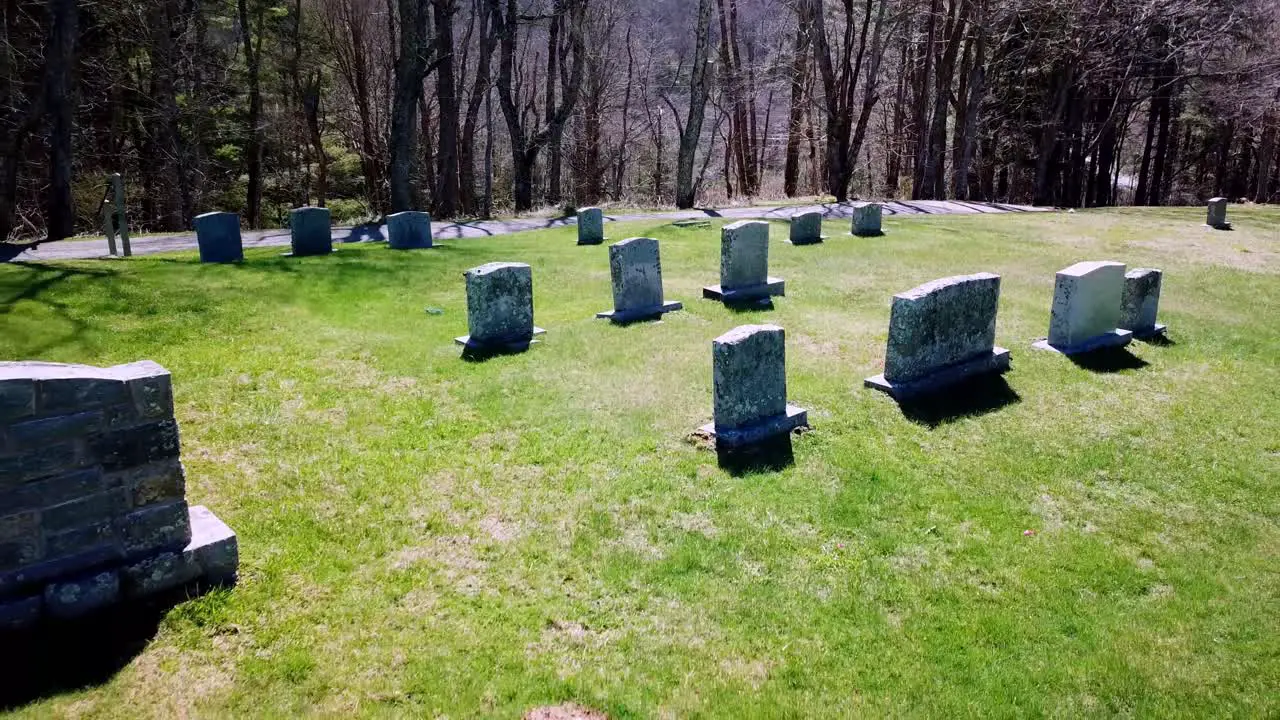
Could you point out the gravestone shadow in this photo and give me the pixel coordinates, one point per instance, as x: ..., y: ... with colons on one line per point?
x: 1160, y: 340
x: 478, y: 354
x: 770, y: 455
x: 364, y: 232
x: 68, y: 655
x: 1109, y: 360
x: 749, y: 306
x: 971, y: 398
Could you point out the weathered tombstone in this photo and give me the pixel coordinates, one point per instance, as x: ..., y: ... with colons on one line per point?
x: 940, y: 333
x: 749, y: 375
x: 1218, y: 214
x: 806, y: 229
x: 310, y: 232
x: 744, y: 265
x: 499, y: 307
x: 637, y: 282
x: 409, y: 230
x: 218, y: 235
x: 93, y: 506
x: 590, y: 226
x: 866, y: 219
x: 1140, y: 302
x: 1086, y: 309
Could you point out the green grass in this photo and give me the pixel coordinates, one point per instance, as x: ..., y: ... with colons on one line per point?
x: 422, y: 535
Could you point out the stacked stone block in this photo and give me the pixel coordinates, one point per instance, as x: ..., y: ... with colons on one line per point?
x: 92, y: 492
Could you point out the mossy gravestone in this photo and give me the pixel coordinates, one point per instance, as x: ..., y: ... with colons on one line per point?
x: 636, y: 271
x: 1140, y: 302
x: 749, y: 378
x: 590, y: 226
x: 744, y: 265
x: 499, y: 308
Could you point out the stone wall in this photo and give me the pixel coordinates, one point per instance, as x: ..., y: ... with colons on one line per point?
x: 92, y: 492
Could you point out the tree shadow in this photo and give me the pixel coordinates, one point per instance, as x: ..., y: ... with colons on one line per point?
x: 1108, y: 360
x: 59, y: 656
x: 771, y: 455
x: 47, y: 276
x: 969, y: 398
x: 710, y: 212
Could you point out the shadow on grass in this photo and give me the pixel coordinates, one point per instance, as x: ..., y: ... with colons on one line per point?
x: 1161, y: 340
x: 45, y: 277
x: 478, y: 355
x: 68, y: 655
x: 971, y: 398
x: 749, y: 306
x: 769, y: 456
x: 1109, y: 360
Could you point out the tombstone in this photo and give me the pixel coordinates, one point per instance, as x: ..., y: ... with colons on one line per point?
x: 590, y: 226
x: 109, y: 225
x: 499, y: 307
x: 744, y: 265
x: 750, y: 387
x: 866, y: 219
x: 409, y: 230
x: 941, y: 333
x: 122, y: 218
x: 1086, y: 309
x: 637, y: 282
x: 1140, y: 302
x: 310, y: 232
x: 218, y: 235
x: 1218, y: 214
x: 806, y: 229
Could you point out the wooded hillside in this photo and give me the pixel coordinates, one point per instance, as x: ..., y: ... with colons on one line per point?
x: 467, y: 107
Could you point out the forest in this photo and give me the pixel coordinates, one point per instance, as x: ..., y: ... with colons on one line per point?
x: 468, y: 108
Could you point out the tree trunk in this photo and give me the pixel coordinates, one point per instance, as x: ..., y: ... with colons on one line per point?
x: 60, y: 52
x: 410, y: 69
x: 446, y: 192
x: 253, y: 121
x: 795, y: 118
x: 691, y: 133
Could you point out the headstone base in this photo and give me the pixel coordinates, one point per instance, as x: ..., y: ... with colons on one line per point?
x: 760, y: 431
x: 868, y: 233
x: 729, y: 296
x: 1157, y: 330
x: 599, y: 241
x: 309, y: 253
x: 995, y: 363
x: 622, y: 317
x: 511, y: 345
x: 1114, y: 339
x: 806, y: 241
x: 1223, y: 226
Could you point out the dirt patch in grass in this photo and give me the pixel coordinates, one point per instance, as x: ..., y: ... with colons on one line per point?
x: 565, y: 711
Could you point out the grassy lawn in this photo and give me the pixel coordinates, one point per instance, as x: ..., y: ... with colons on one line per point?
x: 425, y: 536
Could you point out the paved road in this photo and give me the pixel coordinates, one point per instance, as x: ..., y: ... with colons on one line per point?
x: 86, y: 249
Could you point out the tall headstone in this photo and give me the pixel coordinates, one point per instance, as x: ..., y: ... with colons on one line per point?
x: 310, y: 232
x: 940, y: 333
x: 866, y: 219
x: 744, y: 265
x: 590, y: 226
x: 1218, y: 214
x: 218, y: 236
x: 806, y: 229
x: 499, y: 307
x: 1086, y: 309
x: 409, y: 230
x: 749, y: 375
x: 637, y: 282
x: 1140, y: 302
x: 109, y: 224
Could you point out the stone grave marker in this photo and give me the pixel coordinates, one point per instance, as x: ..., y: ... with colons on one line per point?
x: 409, y: 230
x: 941, y: 333
x: 1217, y: 218
x: 1140, y: 302
x: 806, y: 229
x: 218, y: 236
x: 744, y: 265
x: 93, y: 504
x: 866, y: 219
x: 590, y: 226
x: 499, y: 307
x: 1086, y: 309
x: 750, y: 387
x: 636, y: 271
x: 310, y: 232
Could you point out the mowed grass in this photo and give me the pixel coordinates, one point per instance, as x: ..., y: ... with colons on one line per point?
x: 425, y: 536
